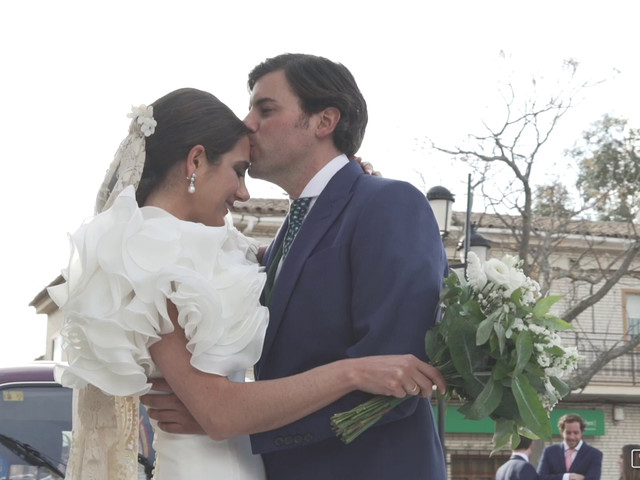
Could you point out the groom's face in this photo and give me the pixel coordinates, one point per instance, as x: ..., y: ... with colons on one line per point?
x: 280, y: 131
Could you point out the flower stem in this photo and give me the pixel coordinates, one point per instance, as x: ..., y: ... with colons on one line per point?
x: 351, y: 424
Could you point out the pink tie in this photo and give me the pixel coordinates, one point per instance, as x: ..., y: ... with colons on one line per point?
x: 568, y: 458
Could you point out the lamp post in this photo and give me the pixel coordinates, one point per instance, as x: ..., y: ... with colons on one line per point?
x: 441, y: 201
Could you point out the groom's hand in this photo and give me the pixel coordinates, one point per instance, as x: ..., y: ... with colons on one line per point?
x: 167, y: 409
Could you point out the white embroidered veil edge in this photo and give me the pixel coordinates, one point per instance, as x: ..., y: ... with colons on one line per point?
x: 105, y: 428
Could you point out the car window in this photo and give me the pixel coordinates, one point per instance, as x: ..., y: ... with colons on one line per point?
x: 40, y: 416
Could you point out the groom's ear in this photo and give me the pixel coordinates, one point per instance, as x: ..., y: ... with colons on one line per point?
x: 328, y: 121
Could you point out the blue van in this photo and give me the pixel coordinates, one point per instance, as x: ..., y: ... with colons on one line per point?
x: 35, y: 426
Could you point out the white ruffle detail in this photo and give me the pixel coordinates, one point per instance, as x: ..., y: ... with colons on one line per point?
x: 125, y: 263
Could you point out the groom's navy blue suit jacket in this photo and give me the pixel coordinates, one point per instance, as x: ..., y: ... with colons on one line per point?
x: 362, y: 278
x: 588, y: 462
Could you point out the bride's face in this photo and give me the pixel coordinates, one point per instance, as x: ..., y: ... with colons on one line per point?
x: 219, y: 186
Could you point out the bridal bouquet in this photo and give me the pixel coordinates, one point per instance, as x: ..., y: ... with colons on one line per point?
x: 497, y: 347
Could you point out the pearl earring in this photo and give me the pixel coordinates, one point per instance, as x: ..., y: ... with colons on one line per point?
x: 192, y: 183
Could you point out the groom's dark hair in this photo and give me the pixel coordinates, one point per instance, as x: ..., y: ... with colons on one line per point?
x: 321, y: 83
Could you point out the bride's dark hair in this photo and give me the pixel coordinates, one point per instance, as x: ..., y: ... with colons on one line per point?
x: 186, y: 117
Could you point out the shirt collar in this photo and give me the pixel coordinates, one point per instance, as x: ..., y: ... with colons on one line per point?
x: 320, y: 180
x: 565, y: 447
x: 523, y: 455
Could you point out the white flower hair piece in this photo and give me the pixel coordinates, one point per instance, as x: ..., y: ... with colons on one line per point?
x: 143, y: 116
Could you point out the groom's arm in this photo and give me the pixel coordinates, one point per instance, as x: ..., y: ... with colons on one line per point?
x: 169, y: 411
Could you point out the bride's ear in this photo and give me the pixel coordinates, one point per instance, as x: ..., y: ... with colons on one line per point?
x: 196, y: 156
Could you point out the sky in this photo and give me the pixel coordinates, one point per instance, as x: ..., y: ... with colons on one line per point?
x: 71, y: 70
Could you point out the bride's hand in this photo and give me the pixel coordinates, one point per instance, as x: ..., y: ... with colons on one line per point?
x: 167, y: 409
x: 367, y: 167
x: 396, y: 375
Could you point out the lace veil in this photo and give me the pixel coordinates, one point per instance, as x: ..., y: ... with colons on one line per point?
x: 105, y: 428
x: 128, y: 162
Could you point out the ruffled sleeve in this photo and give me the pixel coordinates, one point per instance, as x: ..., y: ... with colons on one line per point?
x: 125, y: 264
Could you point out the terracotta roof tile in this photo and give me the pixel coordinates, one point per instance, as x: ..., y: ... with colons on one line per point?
x: 263, y: 206
x: 576, y: 227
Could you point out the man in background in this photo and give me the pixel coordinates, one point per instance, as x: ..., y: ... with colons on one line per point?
x: 573, y: 459
x: 518, y: 466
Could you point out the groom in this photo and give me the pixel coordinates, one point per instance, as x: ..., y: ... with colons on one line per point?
x: 362, y: 276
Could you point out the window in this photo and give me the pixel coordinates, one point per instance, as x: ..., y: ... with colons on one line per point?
x: 476, y: 467
x: 632, y: 313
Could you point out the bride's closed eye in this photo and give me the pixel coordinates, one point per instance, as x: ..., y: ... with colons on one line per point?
x: 241, y: 169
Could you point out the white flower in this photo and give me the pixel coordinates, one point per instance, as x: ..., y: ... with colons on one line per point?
x: 143, y: 116
x: 544, y: 360
x: 497, y: 272
x: 475, y: 272
x: 516, y: 279
x: 510, y: 261
x: 518, y: 324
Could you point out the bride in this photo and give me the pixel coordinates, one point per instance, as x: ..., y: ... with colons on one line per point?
x: 158, y: 266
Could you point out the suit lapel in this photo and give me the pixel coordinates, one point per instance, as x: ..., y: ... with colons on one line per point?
x: 326, y: 209
x: 579, y: 456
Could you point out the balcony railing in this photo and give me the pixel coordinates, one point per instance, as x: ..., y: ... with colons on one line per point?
x: 619, y: 371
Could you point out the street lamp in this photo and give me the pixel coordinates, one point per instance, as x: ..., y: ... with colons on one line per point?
x: 441, y: 201
x: 477, y: 244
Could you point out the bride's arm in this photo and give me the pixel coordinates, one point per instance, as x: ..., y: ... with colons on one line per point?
x: 227, y: 409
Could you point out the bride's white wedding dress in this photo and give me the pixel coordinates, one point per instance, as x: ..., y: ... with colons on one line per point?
x: 125, y: 264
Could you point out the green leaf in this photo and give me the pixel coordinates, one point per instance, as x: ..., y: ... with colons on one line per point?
x: 537, y: 382
x: 472, y: 385
x: 502, y: 434
x: 507, y: 408
x: 448, y: 292
x: 516, y: 297
x: 532, y: 413
x: 486, y: 402
x: 434, y: 345
x: 484, y: 330
x: 535, y: 370
x: 561, y: 387
x: 555, y: 351
x: 445, y: 321
x: 500, y: 333
x: 524, y: 350
x: 465, y: 354
x: 554, y: 323
x: 544, y: 304
x: 501, y: 371
x: 473, y: 311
